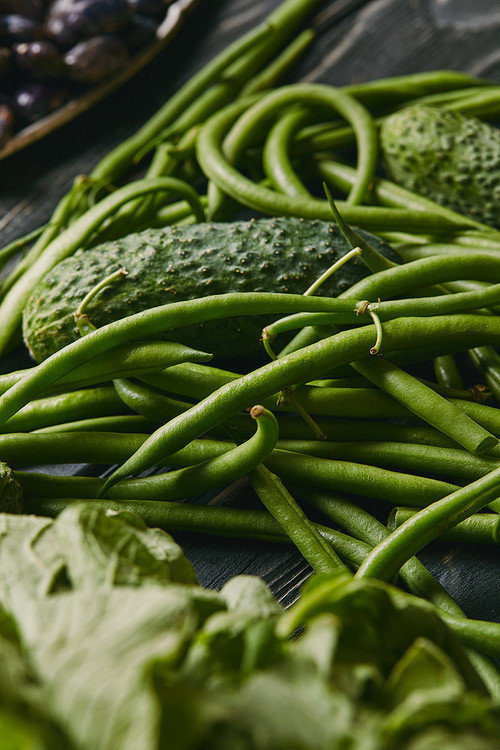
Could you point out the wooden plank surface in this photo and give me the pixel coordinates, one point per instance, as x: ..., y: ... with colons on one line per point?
x: 378, y: 38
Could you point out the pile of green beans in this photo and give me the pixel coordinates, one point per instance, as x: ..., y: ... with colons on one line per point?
x: 387, y: 396
x: 189, y: 422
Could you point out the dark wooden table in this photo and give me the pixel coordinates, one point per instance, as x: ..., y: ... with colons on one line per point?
x: 376, y: 38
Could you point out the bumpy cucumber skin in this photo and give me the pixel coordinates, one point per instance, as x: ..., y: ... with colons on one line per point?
x: 449, y: 157
x: 11, y: 495
x: 179, y: 263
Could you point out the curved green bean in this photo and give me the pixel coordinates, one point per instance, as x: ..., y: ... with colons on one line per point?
x: 275, y: 156
x: 215, y: 467
x: 230, y: 180
x: 480, y: 528
x: 384, y: 561
x: 312, y: 94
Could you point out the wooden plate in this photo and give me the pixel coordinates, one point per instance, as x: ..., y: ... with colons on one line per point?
x: 176, y: 15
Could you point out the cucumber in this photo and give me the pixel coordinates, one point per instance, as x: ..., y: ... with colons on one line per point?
x: 179, y: 263
x: 11, y: 494
x: 449, y: 157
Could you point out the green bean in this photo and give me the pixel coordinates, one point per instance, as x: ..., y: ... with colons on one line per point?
x: 249, y: 122
x: 14, y: 247
x: 122, y: 360
x: 447, y: 372
x: 63, y: 407
x: 345, y: 402
x: 427, y: 404
x: 484, y: 104
x: 411, y: 253
x: 300, y: 367
x: 75, y: 236
x: 417, y: 274
x: 205, y: 519
x: 294, y: 522
x: 154, y: 406
x: 478, y: 634
x: 477, y: 240
x: 400, y: 88
x: 20, y: 449
x: 387, y: 557
x: 459, y: 97
x: 299, y: 469
x: 487, y: 416
x: 365, y: 430
x: 275, y: 157
x: 452, y: 464
x: 356, y: 478
x: 387, y: 193
x: 117, y: 423
x: 421, y: 306
x: 306, y: 336
x: 480, y: 528
x: 275, y: 70
x: 361, y: 524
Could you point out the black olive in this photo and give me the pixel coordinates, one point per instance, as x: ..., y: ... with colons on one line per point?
x: 7, y: 120
x: 154, y: 8
x: 40, y: 59
x: 95, y: 59
x: 140, y: 31
x: 15, y: 28
x: 36, y: 100
x: 69, y: 21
